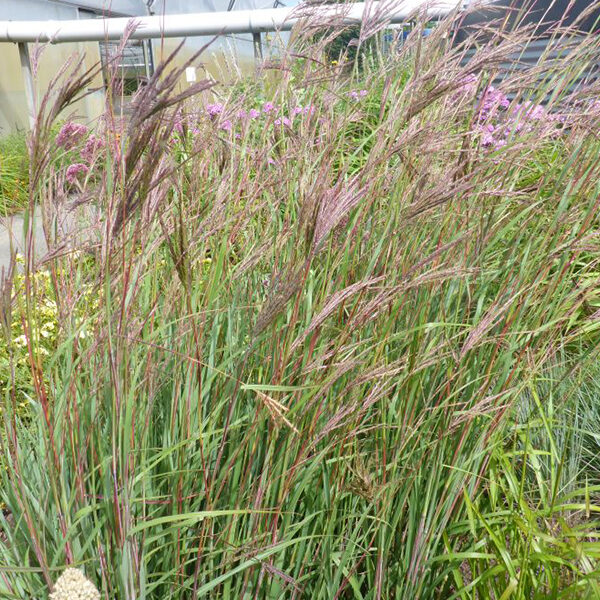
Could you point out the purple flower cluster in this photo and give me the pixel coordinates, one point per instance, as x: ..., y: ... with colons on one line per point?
x: 498, y: 119
x: 92, y: 147
x: 283, y: 121
x: 467, y: 86
x: 217, y: 113
x: 492, y: 101
x: 70, y: 135
x: 74, y: 170
x: 357, y: 95
x: 214, y: 110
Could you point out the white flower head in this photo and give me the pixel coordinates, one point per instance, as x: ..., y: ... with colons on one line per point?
x: 73, y: 585
x: 21, y: 341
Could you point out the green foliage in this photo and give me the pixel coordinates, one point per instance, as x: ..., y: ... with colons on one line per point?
x: 27, y: 341
x: 14, y: 174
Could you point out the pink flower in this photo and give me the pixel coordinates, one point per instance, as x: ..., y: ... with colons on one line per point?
x: 467, y: 86
x: 226, y: 125
x: 253, y: 114
x: 93, y: 145
x: 488, y: 140
x: 214, y: 109
x: 358, y: 95
x: 74, y: 170
x: 70, y: 134
x: 297, y: 110
x: 268, y: 107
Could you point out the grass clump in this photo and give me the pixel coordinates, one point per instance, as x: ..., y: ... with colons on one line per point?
x: 14, y: 174
x: 334, y: 344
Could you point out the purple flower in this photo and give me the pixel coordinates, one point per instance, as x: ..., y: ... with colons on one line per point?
x: 268, y: 107
x: 93, y: 145
x: 297, y: 110
x: 214, y: 110
x: 285, y: 121
x: 487, y: 140
x: 70, y: 134
x: 225, y: 125
x: 242, y: 114
x: 467, y: 86
x: 469, y: 82
x: 74, y: 170
x: 357, y: 95
x: 536, y: 113
x: 253, y: 114
x: 491, y: 102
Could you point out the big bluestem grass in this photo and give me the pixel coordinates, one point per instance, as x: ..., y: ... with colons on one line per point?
x: 347, y: 355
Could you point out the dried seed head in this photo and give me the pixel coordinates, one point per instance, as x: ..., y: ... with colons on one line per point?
x: 73, y: 585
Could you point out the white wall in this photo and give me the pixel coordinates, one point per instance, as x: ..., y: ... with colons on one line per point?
x: 40, y: 10
x: 36, y: 10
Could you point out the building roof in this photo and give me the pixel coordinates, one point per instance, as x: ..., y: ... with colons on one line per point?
x: 540, y: 14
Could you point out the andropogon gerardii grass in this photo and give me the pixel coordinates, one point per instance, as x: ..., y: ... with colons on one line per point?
x: 318, y: 343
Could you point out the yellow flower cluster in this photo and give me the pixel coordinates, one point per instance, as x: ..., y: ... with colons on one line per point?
x: 74, y: 585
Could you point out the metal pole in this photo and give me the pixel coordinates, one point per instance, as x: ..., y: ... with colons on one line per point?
x: 147, y: 47
x: 258, y: 49
x: 28, y: 81
x: 148, y: 55
x: 217, y: 23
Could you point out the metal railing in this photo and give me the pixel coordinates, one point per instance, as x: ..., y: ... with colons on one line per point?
x: 197, y: 24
